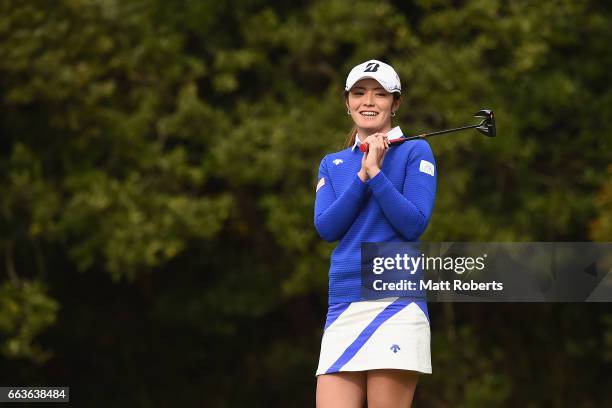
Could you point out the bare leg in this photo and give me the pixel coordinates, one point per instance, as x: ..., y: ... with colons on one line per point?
x: 341, y: 390
x: 391, y: 388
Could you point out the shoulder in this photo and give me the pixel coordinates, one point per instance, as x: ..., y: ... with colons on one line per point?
x: 341, y: 154
x: 416, y: 149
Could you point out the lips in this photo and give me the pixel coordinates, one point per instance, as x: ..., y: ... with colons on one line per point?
x: 369, y: 114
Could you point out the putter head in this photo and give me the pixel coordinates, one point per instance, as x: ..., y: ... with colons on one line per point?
x: 487, y: 126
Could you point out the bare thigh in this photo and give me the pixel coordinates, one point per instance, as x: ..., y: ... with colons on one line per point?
x: 391, y: 388
x: 341, y: 390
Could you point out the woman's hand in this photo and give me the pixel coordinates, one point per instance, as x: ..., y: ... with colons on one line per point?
x: 373, y: 159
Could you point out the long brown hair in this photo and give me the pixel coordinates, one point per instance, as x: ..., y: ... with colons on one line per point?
x: 350, y: 138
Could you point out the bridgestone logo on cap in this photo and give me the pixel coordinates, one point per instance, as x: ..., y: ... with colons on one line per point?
x: 371, y: 67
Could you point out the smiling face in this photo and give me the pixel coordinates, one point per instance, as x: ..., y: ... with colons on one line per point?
x: 371, y: 107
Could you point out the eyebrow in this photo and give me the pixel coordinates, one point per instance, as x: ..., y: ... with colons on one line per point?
x: 364, y: 88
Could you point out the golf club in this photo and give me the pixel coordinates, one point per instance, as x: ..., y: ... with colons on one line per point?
x: 486, y: 127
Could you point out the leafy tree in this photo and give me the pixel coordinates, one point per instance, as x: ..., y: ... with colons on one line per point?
x: 158, y: 166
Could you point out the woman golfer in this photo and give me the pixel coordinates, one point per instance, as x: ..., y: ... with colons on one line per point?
x: 372, y: 350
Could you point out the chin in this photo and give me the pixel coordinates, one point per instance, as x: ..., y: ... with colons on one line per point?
x: 370, y: 127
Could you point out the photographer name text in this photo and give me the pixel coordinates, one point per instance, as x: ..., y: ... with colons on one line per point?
x: 455, y: 285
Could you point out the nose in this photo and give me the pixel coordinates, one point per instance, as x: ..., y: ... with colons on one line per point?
x: 369, y: 98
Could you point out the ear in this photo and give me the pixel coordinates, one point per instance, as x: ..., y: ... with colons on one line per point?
x: 396, y: 104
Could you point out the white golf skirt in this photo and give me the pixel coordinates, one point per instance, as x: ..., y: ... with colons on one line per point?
x: 377, y: 334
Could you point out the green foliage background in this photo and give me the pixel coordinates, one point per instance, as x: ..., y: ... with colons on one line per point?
x: 157, y: 171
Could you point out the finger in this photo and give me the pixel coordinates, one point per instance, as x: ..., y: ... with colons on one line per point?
x: 376, y: 144
x: 370, y: 141
x: 372, y: 138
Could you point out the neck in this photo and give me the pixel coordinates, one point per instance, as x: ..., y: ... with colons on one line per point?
x: 362, y: 134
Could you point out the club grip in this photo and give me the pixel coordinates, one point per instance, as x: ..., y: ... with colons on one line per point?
x: 365, y: 146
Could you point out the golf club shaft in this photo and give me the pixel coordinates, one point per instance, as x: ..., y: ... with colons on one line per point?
x: 424, y: 135
x: 364, y: 146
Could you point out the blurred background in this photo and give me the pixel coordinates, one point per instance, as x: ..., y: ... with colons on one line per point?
x: 157, y: 170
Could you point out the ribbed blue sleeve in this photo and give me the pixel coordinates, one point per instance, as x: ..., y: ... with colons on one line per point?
x: 333, y: 215
x: 409, y: 213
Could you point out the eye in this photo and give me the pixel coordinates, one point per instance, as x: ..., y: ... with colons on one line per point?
x: 357, y: 93
x: 381, y: 94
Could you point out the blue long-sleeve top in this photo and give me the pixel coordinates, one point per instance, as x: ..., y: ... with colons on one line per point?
x: 393, y: 206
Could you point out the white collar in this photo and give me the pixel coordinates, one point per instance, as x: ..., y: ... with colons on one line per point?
x: 357, y: 142
x: 394, y: 133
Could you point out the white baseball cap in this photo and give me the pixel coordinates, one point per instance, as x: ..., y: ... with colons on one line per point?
x: 378, y: 70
